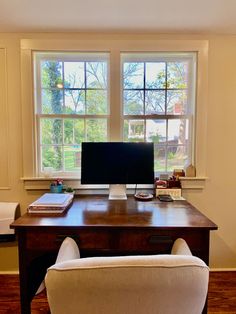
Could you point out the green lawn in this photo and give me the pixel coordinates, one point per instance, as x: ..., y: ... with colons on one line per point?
x: 71, y: 158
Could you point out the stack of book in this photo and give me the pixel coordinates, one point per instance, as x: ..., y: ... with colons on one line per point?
x: 51, y: 203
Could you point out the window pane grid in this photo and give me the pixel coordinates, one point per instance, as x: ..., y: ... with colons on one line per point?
x: 158, y: 105
x: 154, y: 89
x: 62, y: 152
x: 71, y: 106
x: 167, y: 113
x: 63, y: 93
x: 174, y: 79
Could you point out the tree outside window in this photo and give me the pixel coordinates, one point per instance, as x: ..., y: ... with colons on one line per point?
x: 72, y: 106
x: 158, y: 97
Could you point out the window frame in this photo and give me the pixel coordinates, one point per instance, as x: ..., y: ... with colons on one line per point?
x: 115, y: 46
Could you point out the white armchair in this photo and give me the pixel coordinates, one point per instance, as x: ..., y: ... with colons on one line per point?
x: 160, y: 284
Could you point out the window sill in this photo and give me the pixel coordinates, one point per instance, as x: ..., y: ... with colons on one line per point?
x: 194, y: 183
x: 43, y: 183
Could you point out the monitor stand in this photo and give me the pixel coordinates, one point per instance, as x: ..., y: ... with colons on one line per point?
x: 117, y: 192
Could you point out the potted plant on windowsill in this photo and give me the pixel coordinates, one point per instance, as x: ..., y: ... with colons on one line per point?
x: 69, y: 190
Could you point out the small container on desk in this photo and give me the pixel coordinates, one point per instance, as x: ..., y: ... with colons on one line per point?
x: 56, y: 188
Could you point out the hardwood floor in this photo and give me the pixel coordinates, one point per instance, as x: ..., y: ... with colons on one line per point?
x: 222, y: 293
x: 221, y: 300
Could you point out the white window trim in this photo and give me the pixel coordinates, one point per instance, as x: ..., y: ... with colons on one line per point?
x: 43, y: 183
x: 115, y: 47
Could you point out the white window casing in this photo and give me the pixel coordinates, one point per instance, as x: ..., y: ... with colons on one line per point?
x: 115, y: 48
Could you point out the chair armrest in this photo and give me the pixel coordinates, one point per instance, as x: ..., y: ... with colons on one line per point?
x: 68, y: 250
x: 180, y: 247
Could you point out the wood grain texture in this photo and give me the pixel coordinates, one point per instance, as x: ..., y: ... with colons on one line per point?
x: 222, y: 293
x: 97, y: 211
x: 221, y: 300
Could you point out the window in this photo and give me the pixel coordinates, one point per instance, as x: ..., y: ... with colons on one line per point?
x: 158, y: 94
x: 71, y: 106
x: 112, y: 90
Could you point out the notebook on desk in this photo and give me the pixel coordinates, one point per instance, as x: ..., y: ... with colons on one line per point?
x: 52, y: 199
x: 51, y: 203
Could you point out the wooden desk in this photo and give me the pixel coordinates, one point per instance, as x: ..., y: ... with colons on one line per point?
x: 103, y: 227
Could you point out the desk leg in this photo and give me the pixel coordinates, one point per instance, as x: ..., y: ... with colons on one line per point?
x: 204, y: 255
x: 32, y: 266
x: 25, y: 299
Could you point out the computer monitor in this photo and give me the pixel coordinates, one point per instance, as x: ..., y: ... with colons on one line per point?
x: 117, y: 164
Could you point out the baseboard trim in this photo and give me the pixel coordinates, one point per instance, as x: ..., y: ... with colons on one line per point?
x: 9, y: 272
x: 222, y: 269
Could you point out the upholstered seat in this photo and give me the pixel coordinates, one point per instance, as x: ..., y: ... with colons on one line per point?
x: 160, y: 284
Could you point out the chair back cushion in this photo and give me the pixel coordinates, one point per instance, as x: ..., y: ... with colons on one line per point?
x: 160, y: 284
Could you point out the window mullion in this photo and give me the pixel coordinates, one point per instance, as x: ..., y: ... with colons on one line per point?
x: 85, y: 86
x: 63, y: 144
x: 166, y: 145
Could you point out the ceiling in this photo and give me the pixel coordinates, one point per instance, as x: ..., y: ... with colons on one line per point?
x: 171, y: 16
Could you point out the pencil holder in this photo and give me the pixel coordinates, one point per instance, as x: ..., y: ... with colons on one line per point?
x: 56, y: 188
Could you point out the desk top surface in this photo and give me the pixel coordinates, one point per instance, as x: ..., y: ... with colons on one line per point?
x: 98, y: 211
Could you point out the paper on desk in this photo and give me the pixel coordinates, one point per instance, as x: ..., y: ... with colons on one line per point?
x: 178, y: 198
x: 7, y: 216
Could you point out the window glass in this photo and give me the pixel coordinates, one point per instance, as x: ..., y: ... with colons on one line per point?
x: 159, y: 94
x: 72, y: 92
x: 71, y: 102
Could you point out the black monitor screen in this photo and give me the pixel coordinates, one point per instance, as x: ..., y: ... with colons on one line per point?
x: 117, y: 163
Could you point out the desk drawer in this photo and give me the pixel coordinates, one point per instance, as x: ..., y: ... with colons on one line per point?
x: 133, y: 241
x: 51, y: 240
x: 160, y: 241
